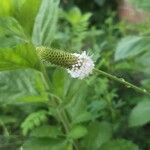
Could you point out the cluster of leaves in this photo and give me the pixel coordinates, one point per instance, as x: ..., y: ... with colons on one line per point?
x: 43, y: 108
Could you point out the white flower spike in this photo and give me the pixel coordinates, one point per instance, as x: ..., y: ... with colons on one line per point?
x: 77, y: 65
x: 83, y: 67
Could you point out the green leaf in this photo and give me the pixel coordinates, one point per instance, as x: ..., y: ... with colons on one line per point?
x: 144, y: 4
x: 7, y: 119
x: 25, y: 12
x: 33, y: 120
x: 60, y: 87
x: 11, y: 33
x: 140, y: 114
x: 6, y: 7
x: 45, y: 23
x: 46, y: 131
x: 77, y: 132
x: 73, y: 16
x: 120, y: 144
x: 76, y: 99
x: 98, y: 133
x: 20, y: 86
x: 131, y: 46
x: 21, y: 56
x: 44, y: 144
x: 83, y: 117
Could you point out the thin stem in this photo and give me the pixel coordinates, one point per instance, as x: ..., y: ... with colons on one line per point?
x: 65, y: 121
x: 61, y: 114
x: 122, y: 81
x: 6, y: 132
x: 64, y: 114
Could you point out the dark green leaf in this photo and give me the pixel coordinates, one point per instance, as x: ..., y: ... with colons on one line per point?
x: 120, y: 144
x: 44, y: 144
x: 46, y: 131
x: 98, y: 133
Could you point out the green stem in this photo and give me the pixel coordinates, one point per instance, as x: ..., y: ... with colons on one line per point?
x: 122, y: 81
x: 61, y: 114
x: 64, y: 114
x: 6, y: 132
x: 65, y: 121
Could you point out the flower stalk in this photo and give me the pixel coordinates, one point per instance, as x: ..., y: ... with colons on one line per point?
x: 121, y: 80
x: 78, y: 65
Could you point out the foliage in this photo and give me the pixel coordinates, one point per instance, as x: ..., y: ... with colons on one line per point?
x: 43, y: 107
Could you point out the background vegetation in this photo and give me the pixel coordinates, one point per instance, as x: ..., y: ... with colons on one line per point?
x: 42, y: 107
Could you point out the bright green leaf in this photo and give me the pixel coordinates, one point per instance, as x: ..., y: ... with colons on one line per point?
x: 21, y: 56
x: 140, y: 114
x: 77, y: 132
x: 45, y: 23
x: 33, y: 120
x: 25, y: 12
x: 5, y: 7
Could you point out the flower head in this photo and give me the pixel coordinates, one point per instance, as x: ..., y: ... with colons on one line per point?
x: 83, y: 67
x: 77, y: 65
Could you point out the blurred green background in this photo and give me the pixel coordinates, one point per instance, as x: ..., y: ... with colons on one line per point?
x: 42, y: 107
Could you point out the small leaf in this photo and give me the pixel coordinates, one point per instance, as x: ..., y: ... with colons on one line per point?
x: 11, y: 33
x: 140, y: 114
x: 44, y: 144
x: 131, y: 46
x: 46, y: 131
x: 83, y: 117
x: 98, y: 133
x: 77, y: 132
x: 31, y: 121
x: 6, y: 119
x: 120, y: 144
